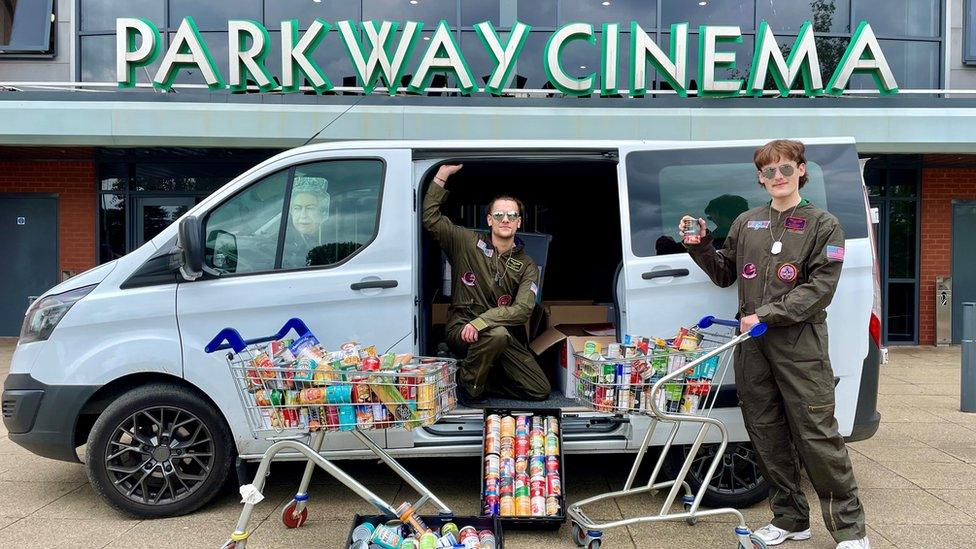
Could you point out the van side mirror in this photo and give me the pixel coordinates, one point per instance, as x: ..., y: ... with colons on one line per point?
x: 221, y: 251
x: 189, y: 240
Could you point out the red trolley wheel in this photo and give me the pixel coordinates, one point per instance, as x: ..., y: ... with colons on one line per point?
x: 291, y: 519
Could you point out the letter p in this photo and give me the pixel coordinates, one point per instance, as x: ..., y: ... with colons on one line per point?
x: 127, y: 56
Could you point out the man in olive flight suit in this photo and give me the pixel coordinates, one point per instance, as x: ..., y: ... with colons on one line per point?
x: 495, y: 286
x: 787, y: 257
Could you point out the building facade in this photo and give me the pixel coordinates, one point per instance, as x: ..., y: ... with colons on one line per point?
x: 106, y: 168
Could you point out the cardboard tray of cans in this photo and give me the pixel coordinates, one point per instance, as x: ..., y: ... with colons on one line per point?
x: 547, y: 522
x: 435, y: 523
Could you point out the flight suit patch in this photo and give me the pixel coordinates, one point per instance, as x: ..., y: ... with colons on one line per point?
x: 468, y: 278
x: 795, y: 224
x: 787, y: 272
x: 758, y: 224
x: 484, y: 248
x: 534, y: 289
x: 835, y: 253
x: 749, y: 271
x: 505, y: 300
x: 514, y: 264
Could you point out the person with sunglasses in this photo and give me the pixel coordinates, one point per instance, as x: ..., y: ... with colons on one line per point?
x: 493, y: 290
x: 787, y: 256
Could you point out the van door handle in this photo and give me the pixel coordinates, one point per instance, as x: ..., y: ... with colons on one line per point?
x: 664, y: 273
x: 374, y: 284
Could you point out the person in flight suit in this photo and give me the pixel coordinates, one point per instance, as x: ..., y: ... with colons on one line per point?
x: 494, y: 288
x: 787, y: 257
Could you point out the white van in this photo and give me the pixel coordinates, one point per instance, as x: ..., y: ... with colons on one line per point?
x: 114, y: 358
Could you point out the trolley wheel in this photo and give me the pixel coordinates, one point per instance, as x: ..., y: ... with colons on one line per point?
x: 579, y: 535
x: 291, y: 519
x: 690, y: 520
x: 757, y: 543
x: 231, y: 544
x: 594, y: 543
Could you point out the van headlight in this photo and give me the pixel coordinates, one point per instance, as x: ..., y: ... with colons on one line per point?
x: 44, y: 314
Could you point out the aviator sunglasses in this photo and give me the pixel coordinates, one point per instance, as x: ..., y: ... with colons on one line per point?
x: 786, y: 169
x: 499, y: 216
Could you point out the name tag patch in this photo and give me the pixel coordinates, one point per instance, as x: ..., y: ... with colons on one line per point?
x: 795, y: 224
x: 514, y: 264
x: 787, y: 272
x: 758, y: 224
x: 835, y: 253
x: 484, y: 248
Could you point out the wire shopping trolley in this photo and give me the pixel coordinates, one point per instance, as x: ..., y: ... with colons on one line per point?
x: 294, y: 392
x: 674, y: 382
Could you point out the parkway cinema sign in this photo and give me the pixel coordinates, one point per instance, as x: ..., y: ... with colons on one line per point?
x: 388, y: 50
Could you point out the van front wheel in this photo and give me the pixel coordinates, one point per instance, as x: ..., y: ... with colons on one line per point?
x: 158, y: 451
x: 738, y: 481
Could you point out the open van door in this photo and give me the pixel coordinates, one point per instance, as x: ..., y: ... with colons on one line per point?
x: 662, y: 287
x: 325, y: 236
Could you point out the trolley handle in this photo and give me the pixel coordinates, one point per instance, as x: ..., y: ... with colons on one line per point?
x: 756, y: 331
x: 229, y: 338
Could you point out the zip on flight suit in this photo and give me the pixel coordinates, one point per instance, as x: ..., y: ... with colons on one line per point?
x: 494, y: 292
x: 784, y: 379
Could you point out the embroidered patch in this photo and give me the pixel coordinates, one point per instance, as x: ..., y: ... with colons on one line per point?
x: 758, y: 224
x: 505, y: 300
x: 484, y: 248
x: 795, y: 224
x: 749, y: 271
x: 468, y: 278
x: 787, y: 272
x: 514, y: 264
x: 534, y: 289
x: 835, y: 253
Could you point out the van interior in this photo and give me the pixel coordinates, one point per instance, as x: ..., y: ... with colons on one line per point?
x: 573, y: 201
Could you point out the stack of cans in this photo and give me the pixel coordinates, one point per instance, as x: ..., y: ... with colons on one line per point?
x: 522, y: 466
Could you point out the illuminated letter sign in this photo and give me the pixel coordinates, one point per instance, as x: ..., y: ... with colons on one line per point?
x: 129, y: 57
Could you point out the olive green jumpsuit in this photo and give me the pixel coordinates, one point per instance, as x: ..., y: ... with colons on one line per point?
x: 494, y: 292
x: 784, y: 379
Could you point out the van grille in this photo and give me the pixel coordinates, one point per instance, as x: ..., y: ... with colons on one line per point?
x: 9, y: 407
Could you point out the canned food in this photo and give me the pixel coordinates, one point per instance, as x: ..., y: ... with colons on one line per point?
x: 521, y: 446
x: 690, y: 231
x: 523, y: 506
x: 508, y: 426
x: 466, y: 535
x: 428, y: 540
x: 506, y: 467
x: 449, y: 528
x: 538, y: 506
x: 522, y: 465
x: 408, y: 543
x: 387, y: 534
x: 552, y: 464
x: 553, y: 485
x: 492, y: 486
x: 506, y: 506
x: 491, y: 505
x: 492, y: 466
x: 363, y: 532
x: 552, y: 444
x: 537, y: 488
x: 521, y: 490
x: 493, y: 424
x: 493, y: 443
x: 506, y: 486
x: 487, y: 539
x: 537, y: 466
x: 552, y: 506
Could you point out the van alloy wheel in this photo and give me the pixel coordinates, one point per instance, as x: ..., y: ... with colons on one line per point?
x: 738, y: 481
x: 159, y: 455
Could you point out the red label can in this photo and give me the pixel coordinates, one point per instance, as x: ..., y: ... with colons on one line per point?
x: 537, y: 488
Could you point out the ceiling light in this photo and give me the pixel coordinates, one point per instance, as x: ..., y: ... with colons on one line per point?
x: 582, y: 66
x: 606, y: 2
x: 703, y: 3
x: 414, y: 2
x: 426, y: 38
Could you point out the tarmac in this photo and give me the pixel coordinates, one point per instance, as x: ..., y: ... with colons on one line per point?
x: 917, y: 479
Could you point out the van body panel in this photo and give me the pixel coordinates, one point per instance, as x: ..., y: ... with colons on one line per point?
x: 258, y: 304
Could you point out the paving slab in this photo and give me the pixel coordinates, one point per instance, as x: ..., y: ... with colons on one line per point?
x: 934, y: 476
x: 20, y: 499
x: 42, y: 532
x: 909, y: 507
x: 921, y: 535
x: 38, y: 469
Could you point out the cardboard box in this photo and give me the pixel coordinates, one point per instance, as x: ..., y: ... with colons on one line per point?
x: 575, y: 312
x: 572, y: 338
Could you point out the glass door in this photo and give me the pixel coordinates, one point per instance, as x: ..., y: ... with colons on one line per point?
x: 154, y: 213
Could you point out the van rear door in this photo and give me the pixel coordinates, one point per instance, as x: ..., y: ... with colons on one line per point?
x: 326, y: 236
x: 664, y: 289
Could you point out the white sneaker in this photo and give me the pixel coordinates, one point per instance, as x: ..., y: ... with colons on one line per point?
x: 775, y: 536
x: 862, y: 543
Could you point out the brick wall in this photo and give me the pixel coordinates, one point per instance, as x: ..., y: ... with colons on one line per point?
x: 71, y: 176
x: 940, y: 185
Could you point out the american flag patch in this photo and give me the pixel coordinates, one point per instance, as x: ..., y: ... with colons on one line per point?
x: 835, y: 253
x: 534, y: 289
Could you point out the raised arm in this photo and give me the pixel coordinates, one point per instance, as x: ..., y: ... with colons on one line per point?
x: 449, y: 235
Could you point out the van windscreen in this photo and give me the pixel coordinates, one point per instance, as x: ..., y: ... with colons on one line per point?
x: 718, y: 184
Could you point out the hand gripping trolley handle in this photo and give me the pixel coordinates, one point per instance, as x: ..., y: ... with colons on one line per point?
x: 674, y: 387
x: 294, y: 400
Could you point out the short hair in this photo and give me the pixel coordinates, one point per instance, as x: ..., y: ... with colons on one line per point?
x: 521, y: 207
x: 781, y: 148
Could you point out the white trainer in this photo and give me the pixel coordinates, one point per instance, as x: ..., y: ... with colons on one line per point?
x: 775, y: 536
x: 862, y: 543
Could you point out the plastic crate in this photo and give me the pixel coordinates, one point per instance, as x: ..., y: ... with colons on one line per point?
x: 435, y: 522
x: 530, y: 523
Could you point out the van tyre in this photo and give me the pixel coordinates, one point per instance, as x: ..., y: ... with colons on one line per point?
x: 738, y: 481
x: 159, y: 450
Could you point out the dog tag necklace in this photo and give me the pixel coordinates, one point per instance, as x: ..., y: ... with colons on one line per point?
x: 778, y: 242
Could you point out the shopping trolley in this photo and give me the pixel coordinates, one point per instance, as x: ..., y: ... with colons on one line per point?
x: 293, y: 393
x: 676, y: 384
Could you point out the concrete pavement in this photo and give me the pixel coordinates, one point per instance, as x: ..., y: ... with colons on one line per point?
x: 917, y: 477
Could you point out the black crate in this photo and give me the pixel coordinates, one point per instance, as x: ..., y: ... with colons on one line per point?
x: 530, y: 523
x: 435, y: 522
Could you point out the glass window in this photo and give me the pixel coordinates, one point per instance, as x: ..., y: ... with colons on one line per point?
x: 969, y: 33
x: 242, y: 233
x: 213, y: 15
x: 330, y: 56
x: 901, y: 234
x: 111, y: 227
x: 538, y: 13
x: 100, y: 15
x: 332, y: 212
x: 25, y: 26
x: 113, y: 177
x: 903, y: 182
x: 429, y: 12
x: 184, y: 177
x: 901, y: 311
x: 914, y: 64
x: 479, y: 60
x: 97, y: 54
x: 276, y: 11
x: 598, y: 12
x: 901, y: 17
x: 476, y: 11
x: 786, y: 16
x: 719, y: 184
x: 708, y: 13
